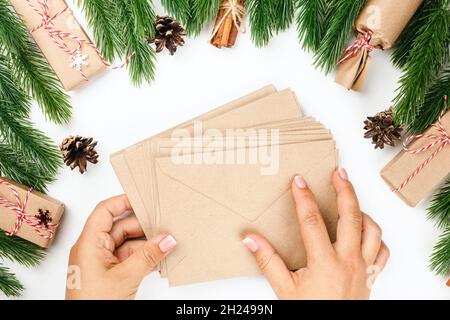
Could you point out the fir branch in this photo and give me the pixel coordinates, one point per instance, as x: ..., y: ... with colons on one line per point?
x: 9, y: 284
x: 340, y: 24
x: 439, y: 209
x: 311, y: 23
x: 102, y: 16
x: 428, y: 54
x: 261, y: 15
x: 17, y: 130
x: 14, y: 167
x: 136, y: 28
x: 179, y: 9
x: 283, y: 14
x: 405, y: 40
x: 21, y: 251
x: 202, y: 12
x: 440, y: 258
x: 30, y: 66
x: 432, y: 106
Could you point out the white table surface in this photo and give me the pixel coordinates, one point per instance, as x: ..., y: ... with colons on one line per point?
x: 197, y: 79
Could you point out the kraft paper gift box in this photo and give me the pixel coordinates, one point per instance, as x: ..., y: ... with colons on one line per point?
x: 60, y: 60
x: 404, y: 164
x: 36, y: 201
x: 386, y: 19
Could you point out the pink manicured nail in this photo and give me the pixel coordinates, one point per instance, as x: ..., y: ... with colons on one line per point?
x: 167, y: 244
x: 300, y: 182
x: 343, y: 174
x: 250, y: 244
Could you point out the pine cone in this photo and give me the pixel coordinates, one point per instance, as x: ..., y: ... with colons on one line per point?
x: 169, y: 34
x: 77, y: 151
x: 382, y: 129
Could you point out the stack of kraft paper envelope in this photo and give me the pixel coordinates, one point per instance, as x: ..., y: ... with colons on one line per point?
x: 225, y: 173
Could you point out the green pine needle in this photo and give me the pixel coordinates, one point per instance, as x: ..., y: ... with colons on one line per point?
x: 30, y: 67
x: 203, y: 11
x: 311, y: 23
x: 179, y: 9
x: 439, y: 209
x: 14, y: 166
x: 440, y: 258
x: 136, y: 31
x: 261, y: 16
x: 21, y: 251
x: 9, y: 285
x: 283, y: 14
x: 404, y: 42
x: 102, y: 16
x: 428, y: 54
x: 433, y: 103
x: 343, y: 14
x: 17, y: 130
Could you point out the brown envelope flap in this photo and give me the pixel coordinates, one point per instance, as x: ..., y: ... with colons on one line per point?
x: 242, y: 188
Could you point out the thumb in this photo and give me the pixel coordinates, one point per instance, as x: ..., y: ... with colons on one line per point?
x: 147, y: 258
x: 270, y: 263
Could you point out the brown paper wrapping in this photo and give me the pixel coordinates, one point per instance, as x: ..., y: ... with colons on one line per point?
x: 404, y: 164
x: 58, y: 59
x: 386, y: 19
x: 35, y: 202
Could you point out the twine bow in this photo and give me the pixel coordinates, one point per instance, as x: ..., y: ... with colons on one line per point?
x: 360, y: 43
x: 60, y: 37
x: 442, y: 140
x: 237, y: 12
x: 22, y: 216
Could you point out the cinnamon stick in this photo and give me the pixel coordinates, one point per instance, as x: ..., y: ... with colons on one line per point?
x: 226, y: 34
x: 217, y: 39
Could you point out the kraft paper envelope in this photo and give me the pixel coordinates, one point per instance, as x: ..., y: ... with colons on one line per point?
x: 208, y: 208
x: 136, y: 166
x: 122, y: 170
x: 136, y: 162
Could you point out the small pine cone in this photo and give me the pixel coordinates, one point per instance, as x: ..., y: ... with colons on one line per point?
x: 169, y: 34
x: 382, y: 129
x: 77, y: 151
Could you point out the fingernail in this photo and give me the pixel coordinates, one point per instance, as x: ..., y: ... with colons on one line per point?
x: 300, y: 182
x: 250, y: 244
x: 343, y: 174
x: 167, y: 244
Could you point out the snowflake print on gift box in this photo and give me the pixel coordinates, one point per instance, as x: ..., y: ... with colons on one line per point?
x: 79, y: 60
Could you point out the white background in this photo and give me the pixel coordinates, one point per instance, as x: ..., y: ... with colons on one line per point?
x: 197, y: 79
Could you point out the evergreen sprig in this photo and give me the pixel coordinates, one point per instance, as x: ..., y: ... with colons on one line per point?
x: 439, y: 209
x: 103, y: 16
x: 261, y: 17
x: 202, y: 12
x: 21, y: 251
x: 283, y: 14
x: 9, y: 284
x: 17, y: 130
x: 180, y: 10
x: 343, y: 14
x: 311, y: 23
x: 428, y: 54
x: 440, y: 258
x: 122, y: 28
x: 433, y: 103
x: 30, y: 68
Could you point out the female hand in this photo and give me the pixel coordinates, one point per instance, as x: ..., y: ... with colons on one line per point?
x: 103, y: 264
x: 341, y: 270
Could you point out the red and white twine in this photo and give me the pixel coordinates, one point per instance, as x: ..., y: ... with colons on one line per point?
x: 22, y: 216
x: 442, y: 140
x: 360, y: 43
x: 59, y: 37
